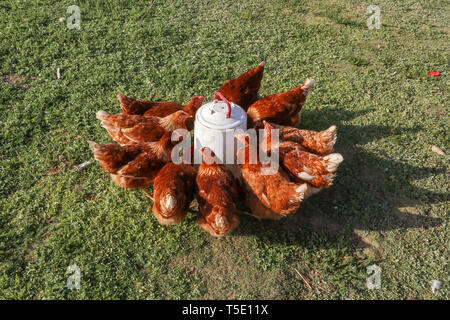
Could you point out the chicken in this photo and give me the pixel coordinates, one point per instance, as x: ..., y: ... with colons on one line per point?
x: 243, y: 90
x: 173, y: 191
x: 318, y: 171
x: 216, y: 196
x: 321, y: 142
x: 157, y: 108
x: 134, y: 166
x: 268, y: 196
x: 281, y: 108
x: 132, y: 129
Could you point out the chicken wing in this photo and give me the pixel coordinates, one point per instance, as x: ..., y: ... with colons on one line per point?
x: 134, y: 166
x: 321, y: 142
x: 133, y: 129
x: 157, y: 108
x: 281, y: 108
x: 243, y: 90
x: 318, y: 171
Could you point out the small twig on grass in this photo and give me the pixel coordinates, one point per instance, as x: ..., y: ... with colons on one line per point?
x: 148, y: 9
x: 80, y: 167
x: 303, y: 278
x: 58, y: 73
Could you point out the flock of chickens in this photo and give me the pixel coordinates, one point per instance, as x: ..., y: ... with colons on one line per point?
x: 142, y: 156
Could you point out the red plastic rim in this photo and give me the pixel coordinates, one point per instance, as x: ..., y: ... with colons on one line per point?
x: 220, y: 96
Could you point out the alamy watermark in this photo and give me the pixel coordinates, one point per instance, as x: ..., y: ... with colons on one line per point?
x: 374, y: 280
x: 74, y: 280
x: 232, y: 142
x: 374, y: 21
x: 74, y: 21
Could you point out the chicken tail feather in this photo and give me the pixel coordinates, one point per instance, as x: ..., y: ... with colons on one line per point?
x: 310, y: 190
x: 333, y: 160
x: 329, y: 178
x: 102, y: 115
x: 168, y: 204
x: 194, y: 104
x: 93, y: 146
x: 301, y: 191
x: 99, y: 151
x: 124, y: 101
x: 307, y: 85
x: 327, y: 139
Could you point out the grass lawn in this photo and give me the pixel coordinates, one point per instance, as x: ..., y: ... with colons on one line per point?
x: 390, y: 202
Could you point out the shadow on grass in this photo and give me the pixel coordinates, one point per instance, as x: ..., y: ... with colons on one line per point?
x: 369, y: 193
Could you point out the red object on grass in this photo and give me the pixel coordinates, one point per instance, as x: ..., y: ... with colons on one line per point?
x: 220, y: 96
x: 434, y: 73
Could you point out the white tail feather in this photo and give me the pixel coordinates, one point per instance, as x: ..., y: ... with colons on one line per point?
x: 102, y: 115
x: 307, y: 85
x: 221, y: 222
x: 301, y: 191
x: 93, y: 146
x: 305, y: 176
x: 168, y: 203
x: 333, y: 160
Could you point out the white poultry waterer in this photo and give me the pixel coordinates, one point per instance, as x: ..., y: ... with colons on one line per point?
x: 214, y: 127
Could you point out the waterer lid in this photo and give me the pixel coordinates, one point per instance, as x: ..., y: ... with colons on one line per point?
x: 214, y: 115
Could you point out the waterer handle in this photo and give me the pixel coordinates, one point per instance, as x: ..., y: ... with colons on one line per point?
x: 220, y: 96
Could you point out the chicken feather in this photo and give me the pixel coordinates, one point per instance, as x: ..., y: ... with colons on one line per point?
x: 157, y: 108
x: 318, y: 142
x: 318, y: 171
x: 281, y: 108
x: 173, y: 192
x: 243, y: 90
x: 134, y: 166
x: 132, y: 129
x: 216, y: 196
x: 269, y: 196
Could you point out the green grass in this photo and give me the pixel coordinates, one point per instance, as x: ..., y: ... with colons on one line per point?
x: 389, y: 204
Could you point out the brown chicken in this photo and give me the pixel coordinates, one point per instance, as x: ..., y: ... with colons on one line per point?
x: 268, y: 196
x: 318, y: 171
x: 157, y: 108
x: 318, y: 142
x: 132, y: 129
x: 243, y: 90
x: 173, y: 191
x: 281, y: 108
x: 134, y: 166
x: 217, y: 195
